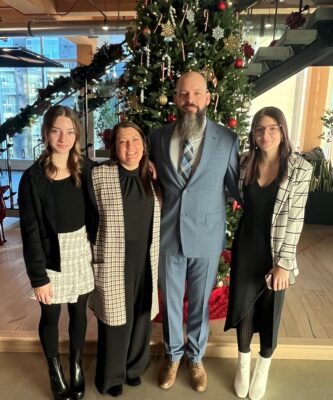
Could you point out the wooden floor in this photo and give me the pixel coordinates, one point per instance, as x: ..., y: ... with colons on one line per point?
x: 307, y: 322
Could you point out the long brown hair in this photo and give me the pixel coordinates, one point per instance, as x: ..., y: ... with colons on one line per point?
x: 253, y: 159
x: 144, y: 162
x: 74, y: 163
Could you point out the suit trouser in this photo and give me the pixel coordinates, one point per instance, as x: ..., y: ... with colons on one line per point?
x: 200, y: 275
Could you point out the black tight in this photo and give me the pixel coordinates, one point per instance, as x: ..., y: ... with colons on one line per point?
x: 48, y: 325
x: 245, y: 327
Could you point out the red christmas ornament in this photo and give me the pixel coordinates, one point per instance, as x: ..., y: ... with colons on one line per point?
x: 146, y: 32
x: 171, y: 118
x: 221, y: 6
x: 239, y: 63
x: 232, y: 123
x: 122, y: 117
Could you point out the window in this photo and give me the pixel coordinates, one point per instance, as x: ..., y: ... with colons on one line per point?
x: 51, y: 47
x: 7, y: 83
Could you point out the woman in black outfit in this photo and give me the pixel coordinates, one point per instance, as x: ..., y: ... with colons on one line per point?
x: 54, y: 218
x: 274, y: 183
x: 125, y: 260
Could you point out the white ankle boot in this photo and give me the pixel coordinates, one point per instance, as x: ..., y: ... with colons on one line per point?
x: 242, y: 379
x: 259, y: 378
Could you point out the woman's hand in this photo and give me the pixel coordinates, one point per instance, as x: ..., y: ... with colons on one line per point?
x: 280, y: 278
x: 44, y: 294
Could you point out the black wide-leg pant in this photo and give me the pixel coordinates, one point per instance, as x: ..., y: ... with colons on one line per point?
x: 123, y: 351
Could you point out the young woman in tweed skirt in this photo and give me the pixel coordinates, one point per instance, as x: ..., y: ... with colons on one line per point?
x: 125, y: 260
x: 54, y: 205
x: 274, y: 184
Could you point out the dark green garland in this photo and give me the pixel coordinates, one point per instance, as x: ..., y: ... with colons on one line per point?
x: 107, y: 55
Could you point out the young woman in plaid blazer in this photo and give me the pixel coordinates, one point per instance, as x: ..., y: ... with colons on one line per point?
x: 125, y: 260
x: 274, y: 184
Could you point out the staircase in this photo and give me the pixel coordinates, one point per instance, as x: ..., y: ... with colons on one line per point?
x: 297, y: 49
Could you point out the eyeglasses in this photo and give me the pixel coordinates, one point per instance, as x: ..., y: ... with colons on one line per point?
x: 271, y: 129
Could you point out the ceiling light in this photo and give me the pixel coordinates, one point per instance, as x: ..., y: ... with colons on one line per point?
x: 105, y: 27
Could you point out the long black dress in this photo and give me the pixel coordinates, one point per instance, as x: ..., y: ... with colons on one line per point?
x: 251, y: 261
x: 123, y: 351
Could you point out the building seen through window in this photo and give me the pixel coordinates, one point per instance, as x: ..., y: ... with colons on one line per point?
x: 19, y: 87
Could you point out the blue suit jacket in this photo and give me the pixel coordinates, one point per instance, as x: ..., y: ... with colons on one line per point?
x: 193, y: 218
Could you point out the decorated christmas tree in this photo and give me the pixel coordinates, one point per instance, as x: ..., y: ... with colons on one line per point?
x: 172, y: 37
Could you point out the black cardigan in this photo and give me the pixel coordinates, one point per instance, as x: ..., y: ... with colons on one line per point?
x: 38, y: 223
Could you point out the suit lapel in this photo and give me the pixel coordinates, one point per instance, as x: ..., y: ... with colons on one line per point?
x: 165, y: 138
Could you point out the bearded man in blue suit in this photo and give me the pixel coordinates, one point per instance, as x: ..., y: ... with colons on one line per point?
x: 195, y: 159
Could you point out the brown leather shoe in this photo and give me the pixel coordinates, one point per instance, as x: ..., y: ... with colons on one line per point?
x: 167, y: 374
x: 198, y: 376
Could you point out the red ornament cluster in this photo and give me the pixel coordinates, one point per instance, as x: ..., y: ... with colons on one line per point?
x: 171, y: 118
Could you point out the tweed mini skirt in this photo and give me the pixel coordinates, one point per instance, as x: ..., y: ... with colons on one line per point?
x: 76, y: 276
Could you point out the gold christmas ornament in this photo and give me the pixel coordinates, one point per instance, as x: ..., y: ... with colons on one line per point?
x: 162, y: 100
x: 168, y: 30
x: 232, y: 44
x: 246, y: 104
x: 208, y: 73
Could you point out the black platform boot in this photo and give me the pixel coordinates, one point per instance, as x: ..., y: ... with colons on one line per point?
x: 59, y: 385
x: 76, y: 375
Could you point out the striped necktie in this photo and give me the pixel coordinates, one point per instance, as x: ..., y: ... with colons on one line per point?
x: 185, y: 167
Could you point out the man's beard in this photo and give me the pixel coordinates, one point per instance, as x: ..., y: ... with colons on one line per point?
x: 189, y: 124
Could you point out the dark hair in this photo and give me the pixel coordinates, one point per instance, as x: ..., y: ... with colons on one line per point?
x: 253, y: 159
x: 144, y: 162
x: 74, y: 162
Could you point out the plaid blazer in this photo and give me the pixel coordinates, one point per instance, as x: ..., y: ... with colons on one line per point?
x: 288, y: 213
x: 108, y: 298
